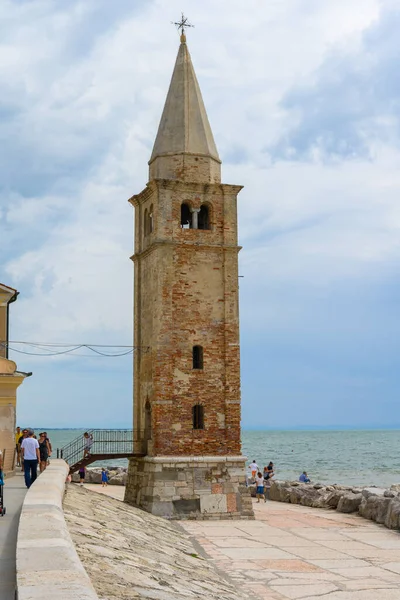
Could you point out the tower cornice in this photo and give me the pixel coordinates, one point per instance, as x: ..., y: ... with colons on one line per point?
x: 144, y: 195
x: 187, y: 244
x: 194, y: 186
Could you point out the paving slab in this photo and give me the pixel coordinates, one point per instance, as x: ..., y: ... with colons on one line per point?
x: 14, y: 494
x: 326, y: 554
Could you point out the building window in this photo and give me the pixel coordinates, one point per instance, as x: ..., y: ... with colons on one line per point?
x: 186, y: 216
x: 145, y: 222
x: 197, y: 357
x: 198, y: 416
x: 204, y: 218
x: 151, y: 222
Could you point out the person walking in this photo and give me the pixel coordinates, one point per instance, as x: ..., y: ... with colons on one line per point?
x: 50, y: 447
x: 31, y: 457
x: 17, y: 446
x: 82, y: 473
x: 44, y: 451
x: 22, y: 437
x: 260, y: 487
x: 88, y: 437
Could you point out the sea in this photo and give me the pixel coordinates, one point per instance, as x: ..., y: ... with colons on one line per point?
x: 346, y: 457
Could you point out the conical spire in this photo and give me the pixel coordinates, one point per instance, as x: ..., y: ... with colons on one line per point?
x: 184, y: 135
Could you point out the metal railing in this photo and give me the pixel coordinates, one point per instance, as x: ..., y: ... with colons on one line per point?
x: 104, y: 442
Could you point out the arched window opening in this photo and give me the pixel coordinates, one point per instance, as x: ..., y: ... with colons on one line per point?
x: 186, y: 216
x: 198, y: 416
x: 145, y: 222
x: 197, y: 357
x: 204, y: 218
x: 151, y: 221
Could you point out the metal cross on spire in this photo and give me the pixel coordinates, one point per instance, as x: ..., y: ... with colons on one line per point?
x: 181, y: 25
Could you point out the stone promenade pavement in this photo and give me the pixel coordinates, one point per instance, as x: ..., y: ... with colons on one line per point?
x: 14, y: 494
x: 112, y: 491
x: 291, y: 552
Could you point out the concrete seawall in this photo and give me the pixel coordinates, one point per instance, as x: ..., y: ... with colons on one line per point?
x: 48, y: 566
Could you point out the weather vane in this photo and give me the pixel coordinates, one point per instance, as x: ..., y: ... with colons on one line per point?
x: 181, y: 25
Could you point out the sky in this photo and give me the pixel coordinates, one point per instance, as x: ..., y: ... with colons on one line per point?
x: 303, y: 97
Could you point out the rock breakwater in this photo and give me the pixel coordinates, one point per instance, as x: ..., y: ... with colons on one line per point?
x: 117, y: 475
x: 130, y: 554
x: 377, y: 504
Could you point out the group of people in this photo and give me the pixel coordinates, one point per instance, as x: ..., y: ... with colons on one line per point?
x: 31, y: 452
x: 263, y: 480
x: 104, y: 476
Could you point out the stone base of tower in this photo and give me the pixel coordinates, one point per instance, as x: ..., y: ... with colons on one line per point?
x: 188, y: 487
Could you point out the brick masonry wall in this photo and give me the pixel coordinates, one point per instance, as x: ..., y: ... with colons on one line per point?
x: 186, y: 294
x: 186, y: 167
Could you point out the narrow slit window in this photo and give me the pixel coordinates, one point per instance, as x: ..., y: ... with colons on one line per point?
x: 197, y: 357
x: 198, y: 416
x: 186, y: 216
x: 151, y: 220
x: 145, y: 222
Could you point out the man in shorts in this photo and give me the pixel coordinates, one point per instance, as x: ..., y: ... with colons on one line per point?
x: 253, y: 468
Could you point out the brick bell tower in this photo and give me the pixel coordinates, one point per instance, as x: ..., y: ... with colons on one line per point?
x: 186, y: 321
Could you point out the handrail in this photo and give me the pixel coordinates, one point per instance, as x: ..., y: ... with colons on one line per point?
x: 104, y: 442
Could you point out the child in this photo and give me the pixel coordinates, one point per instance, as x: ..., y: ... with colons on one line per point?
x: 82, y: 473
x: 260, y: 487
x: 104, y: 478
x: 88, y: 438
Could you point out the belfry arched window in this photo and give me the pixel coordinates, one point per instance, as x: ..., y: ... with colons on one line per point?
x: 186, y: 216
x: 197, y: 355
x: 198, y: 416
x: 204, y: 217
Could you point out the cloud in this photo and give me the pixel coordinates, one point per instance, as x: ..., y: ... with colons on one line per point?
x: 83, y: 87
x: 351, y: 103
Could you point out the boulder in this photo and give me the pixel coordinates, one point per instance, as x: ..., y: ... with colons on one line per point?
x: 392, y: 520
x: 332, y: 499
x: 374, y: 507
x: 373, y: 491
x: 395, y: 488
x: 295, y: 495
x: 280, y: 491
x: 118, y: 479
x: 389, y: 494
x: 349, y: 503
x: 310, y: 496
x: 93, y: 476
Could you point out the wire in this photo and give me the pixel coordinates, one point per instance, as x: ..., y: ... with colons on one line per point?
x: 50, y: 349
x: 67, y: 345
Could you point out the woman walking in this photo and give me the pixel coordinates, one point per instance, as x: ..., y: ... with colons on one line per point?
x: 44, y: 451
